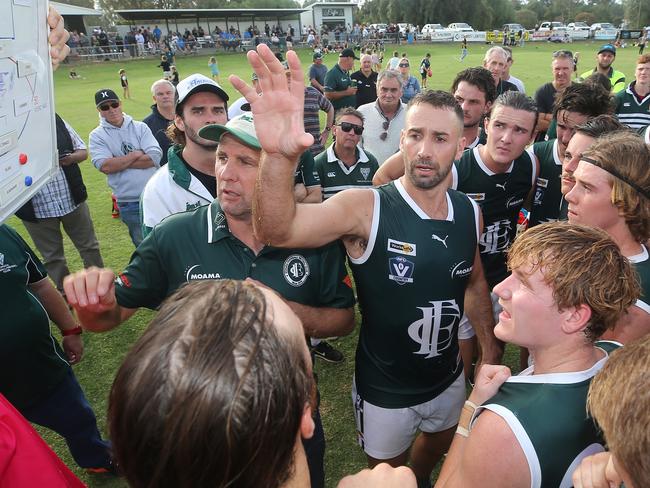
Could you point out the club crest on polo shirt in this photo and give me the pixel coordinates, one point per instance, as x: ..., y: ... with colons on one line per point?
x: 4, y: 267
x: 295, y: 270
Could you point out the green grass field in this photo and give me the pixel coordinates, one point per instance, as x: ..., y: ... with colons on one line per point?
x: 104, y: 352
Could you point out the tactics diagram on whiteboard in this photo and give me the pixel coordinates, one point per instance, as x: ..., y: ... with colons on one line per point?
x: 27, y: 130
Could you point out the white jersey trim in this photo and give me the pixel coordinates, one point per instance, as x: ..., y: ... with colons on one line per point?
x: 416, y: 208
x: 476, y: 219
x: 376, y: 211
x: 556, y: 153
x: 533, y: 163
x: 209, y: 217
x: 473, y: 144
x: 524, y: 441
x: 640, y: 258
x: 483, y: 166
x: 527, y: 376
x: 647, y: 135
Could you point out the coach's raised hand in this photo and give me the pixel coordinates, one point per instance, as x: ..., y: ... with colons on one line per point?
x: 278, y: 110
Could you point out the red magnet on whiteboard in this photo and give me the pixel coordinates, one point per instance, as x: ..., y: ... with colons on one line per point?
x: 22, y: 158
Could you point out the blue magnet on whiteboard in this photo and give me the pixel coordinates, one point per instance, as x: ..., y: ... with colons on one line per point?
x: 28, y: 181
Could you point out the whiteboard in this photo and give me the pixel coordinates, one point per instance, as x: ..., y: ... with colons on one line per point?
x: 28, y: 156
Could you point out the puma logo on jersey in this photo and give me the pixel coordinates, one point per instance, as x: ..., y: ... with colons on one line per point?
x: 436, y: 238
x: 499, y: 185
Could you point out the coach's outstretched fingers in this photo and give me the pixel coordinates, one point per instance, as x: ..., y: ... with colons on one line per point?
x: 278, y: 109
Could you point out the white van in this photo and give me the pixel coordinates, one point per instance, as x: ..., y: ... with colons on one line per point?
x: 460, y: 27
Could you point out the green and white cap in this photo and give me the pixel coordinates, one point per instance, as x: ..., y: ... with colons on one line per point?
x: 240, y: 127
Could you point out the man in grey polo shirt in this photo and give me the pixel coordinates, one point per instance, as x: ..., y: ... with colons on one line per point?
x: 384, y: 119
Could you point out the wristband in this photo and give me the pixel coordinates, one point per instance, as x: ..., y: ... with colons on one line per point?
x: 328, y: 129
x: 75, y: 331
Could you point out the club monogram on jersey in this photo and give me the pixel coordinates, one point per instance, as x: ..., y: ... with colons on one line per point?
x: 434, y: 332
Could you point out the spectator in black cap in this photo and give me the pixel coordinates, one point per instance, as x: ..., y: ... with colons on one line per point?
x: 317, y: 72
x: 339, y: 87
x: 606, y: 56
x: 128, y: 153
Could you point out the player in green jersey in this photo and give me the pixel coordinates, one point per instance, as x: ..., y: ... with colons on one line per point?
x: 427, y: 259
x: 621, y: 407
x: 558, y: 300
x: 612, y: 192
x: 574, y: 106
x: 585, y: 135
x: 473, y: 89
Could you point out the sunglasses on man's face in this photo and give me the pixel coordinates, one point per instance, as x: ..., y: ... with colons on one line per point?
x: 107, y: 106
x: 347, y: 127
x: 404, y: 65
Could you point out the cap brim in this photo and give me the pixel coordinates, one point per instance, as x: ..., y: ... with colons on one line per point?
x: 215, y: 131
x: 107, y: 100
x: 206, y: 87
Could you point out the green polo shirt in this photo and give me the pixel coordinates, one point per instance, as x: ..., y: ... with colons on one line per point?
x: 198, y: 245
x: 33, y: 364
x: 338, y: 80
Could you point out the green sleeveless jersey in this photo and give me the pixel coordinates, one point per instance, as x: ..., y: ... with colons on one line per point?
x: 641, y: 263
x: 548, y: 189
x: 305, y: 171
x: 335, y: 176
x: 411, y: 284
x: 547, y: 413
x: 500, y: 196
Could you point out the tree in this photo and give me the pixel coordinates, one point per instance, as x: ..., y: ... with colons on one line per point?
x: 527, y: 18
x: 637, y: 12
x: 586, y: 17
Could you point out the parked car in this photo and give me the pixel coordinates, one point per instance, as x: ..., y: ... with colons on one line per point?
x: 460, y: 26
x: 578, y: 26
x: 601, y: 26
x: 428, y: 29
x: 547, y: 26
